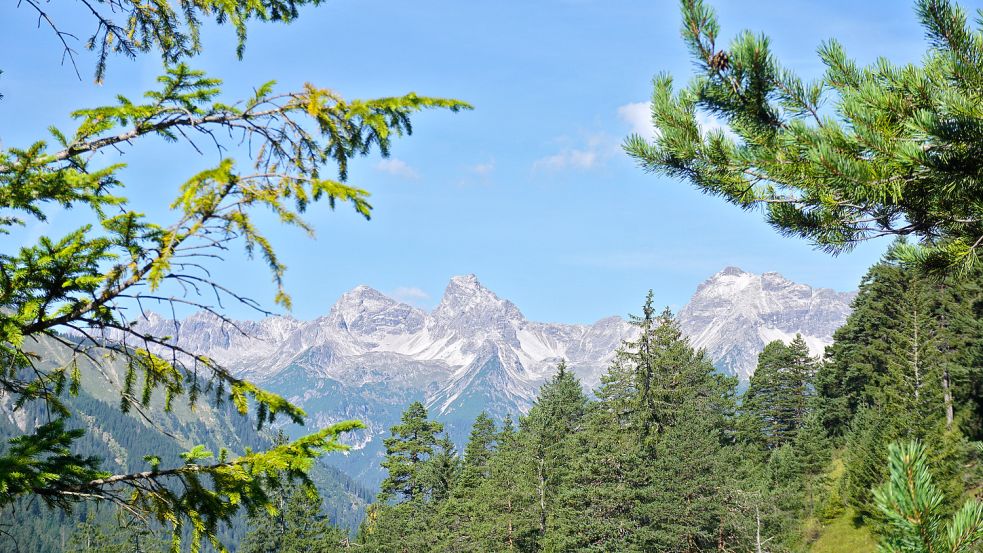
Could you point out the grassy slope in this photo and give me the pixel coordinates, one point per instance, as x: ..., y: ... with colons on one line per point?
x: 841, y: 534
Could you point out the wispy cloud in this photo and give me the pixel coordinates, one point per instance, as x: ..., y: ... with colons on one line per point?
x: 638, y: 115
x: 398, y: 168
x: 597, y: 149
x: 482, y: 169
x: 478, y: 174
x: 410, y: 294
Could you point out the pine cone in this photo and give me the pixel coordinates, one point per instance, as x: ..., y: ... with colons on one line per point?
x: 720, y: 61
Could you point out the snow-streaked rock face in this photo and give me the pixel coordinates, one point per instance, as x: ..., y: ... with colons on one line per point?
x: 735, y: 313
x: 371, y: 355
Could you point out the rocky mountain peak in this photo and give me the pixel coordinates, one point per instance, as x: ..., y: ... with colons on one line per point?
x: 730, y: 271
x: 467, y: 302
x: 365, y: 310
x: 735, y: 313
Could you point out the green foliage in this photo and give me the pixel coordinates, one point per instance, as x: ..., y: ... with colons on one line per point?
x: 780, y: 393
x: 129, y: 27
x: 915, y: 509
x: 120, y: 537
x: 295, y: 523
x: 409, y: 447
x: 118, y: 259
x: 654, y: 437
x: 43, y: 463
x: 481, y: 443
x: 861, y: 152
x: 663, y: 460
x: 904, y: 366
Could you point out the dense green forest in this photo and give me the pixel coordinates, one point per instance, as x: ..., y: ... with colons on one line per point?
x: 668, y: 456
x: 125, y: 440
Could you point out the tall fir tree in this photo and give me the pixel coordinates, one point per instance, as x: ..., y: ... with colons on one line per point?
x: 554, y: 417
x: 409, y: 447
x: 780, y: 392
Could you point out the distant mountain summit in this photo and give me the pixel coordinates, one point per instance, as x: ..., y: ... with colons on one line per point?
x: 735, y: 313
x: 371, y: 355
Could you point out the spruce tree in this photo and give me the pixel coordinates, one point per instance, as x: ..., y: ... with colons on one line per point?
x: 780, y: 392
x: 648, y: 474
x: 554, y: 417
x: 481, y: 443
x: 506, y: 500
x: 857, y: 360
x: 417, y: 464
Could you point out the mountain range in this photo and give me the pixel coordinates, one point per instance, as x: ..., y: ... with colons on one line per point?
x: 372, y: 355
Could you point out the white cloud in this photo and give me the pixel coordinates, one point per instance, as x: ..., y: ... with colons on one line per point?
x: 598, y: 148
x: 567, y: 159
x: 410, y: 294
x: 398, y: 168
x: 639, y: 116
x: 483, y: 169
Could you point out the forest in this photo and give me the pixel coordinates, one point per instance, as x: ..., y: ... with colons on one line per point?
x: 878, y: 442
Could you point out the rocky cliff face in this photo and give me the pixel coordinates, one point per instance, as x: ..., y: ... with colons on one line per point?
x: 735, y: 313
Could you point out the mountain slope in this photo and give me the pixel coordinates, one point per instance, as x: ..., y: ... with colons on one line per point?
x: 372, y: 355
x: 123, y: 440
x: 735, y: 313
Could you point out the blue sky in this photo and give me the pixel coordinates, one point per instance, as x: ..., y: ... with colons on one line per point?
x: 530, y: 191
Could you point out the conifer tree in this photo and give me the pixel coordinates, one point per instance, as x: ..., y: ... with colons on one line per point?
x: 915, y: 511
x: 647, y: 474
x: 554, y: 417
x: 409, y: 447
x: 296, y: 525
x: 857, y: 360
x: 442, y: 469
x: 859, y: 153
x: 123, y: 537
x: 507, y: 500
x: 781, y: 391
x: 463, y: 507
x: 92, y: 281
x: 481, y: 443
x: 402, y: 519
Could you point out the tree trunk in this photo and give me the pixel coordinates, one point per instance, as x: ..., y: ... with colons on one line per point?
x: 946, y: 380
x: 757, y: 531
x: 542, y: 497
x: 947, y: 397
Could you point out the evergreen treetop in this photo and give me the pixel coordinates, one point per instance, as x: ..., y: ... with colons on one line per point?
x: 409, y: 446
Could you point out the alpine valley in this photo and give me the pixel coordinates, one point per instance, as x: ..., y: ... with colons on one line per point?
x: 371, y: 355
